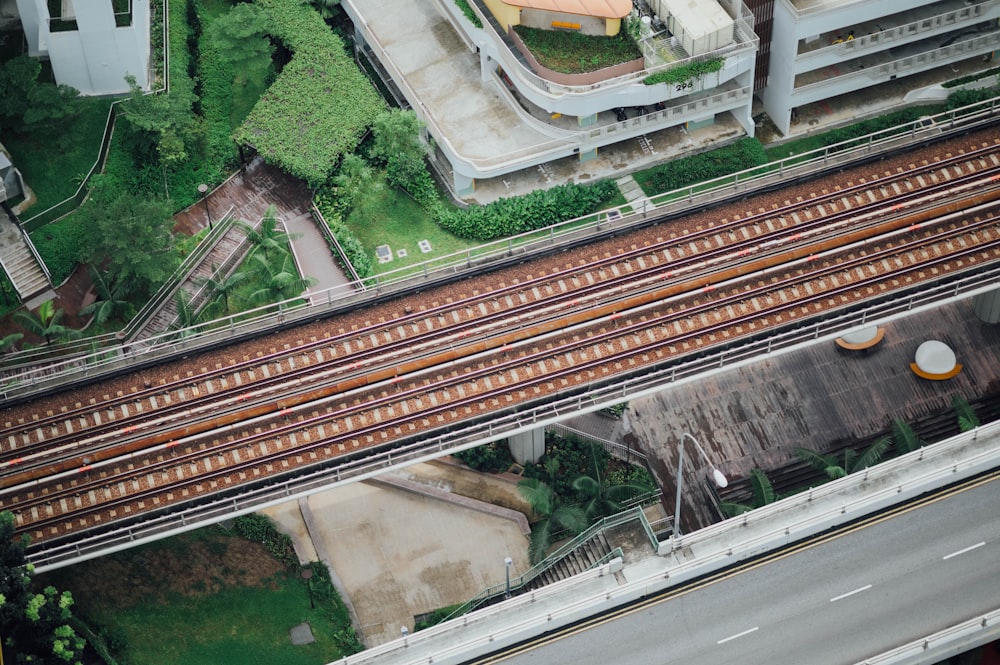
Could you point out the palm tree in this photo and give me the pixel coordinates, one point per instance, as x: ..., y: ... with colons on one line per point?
x: 223, y: 287
x: 111, y: 302
x: 280, y: 281
x: 45, y: 323
x: 552, y: 516
x: 967, y: 418
x: 851, y: 462
x: 186, y: 315
x: 603, y: 499
x: 8, y: 343
x: 904, y: 438
x: 266, y: 235
x: 763, y: 494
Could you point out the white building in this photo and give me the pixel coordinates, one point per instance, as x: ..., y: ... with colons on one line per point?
x: 822, y: 49
x: 93, y: 44
x: 608, y: 106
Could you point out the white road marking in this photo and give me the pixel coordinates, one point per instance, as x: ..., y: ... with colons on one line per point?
x: 963, y: 551
x: 850, y: 593
x: 733, y: 637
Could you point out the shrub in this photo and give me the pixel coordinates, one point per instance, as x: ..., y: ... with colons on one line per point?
x: 492, y: 457
x: 469, y: 14
x: 679, y: 173
x: 685, y: 73
x: 320, y: 105
x: 326, y: 201
x: 510, y: 216
x: 962, y: 98
x: 260, y: 529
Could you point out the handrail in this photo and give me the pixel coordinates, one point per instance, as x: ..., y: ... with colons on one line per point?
x: 179, y: 276
x: 331, y: 238
x: 554, y: 558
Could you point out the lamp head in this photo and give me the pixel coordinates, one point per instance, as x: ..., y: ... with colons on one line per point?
x: 720, y: 479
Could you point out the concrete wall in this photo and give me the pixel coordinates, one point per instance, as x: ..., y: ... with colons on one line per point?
x: 505, y: 14
x: 544, y: 20
x: 34, y: 14
x: 96, y: 58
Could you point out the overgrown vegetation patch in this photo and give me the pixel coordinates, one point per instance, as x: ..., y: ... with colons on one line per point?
x: 540, y: 208
x: 570, y: 52
x: 319, y: 106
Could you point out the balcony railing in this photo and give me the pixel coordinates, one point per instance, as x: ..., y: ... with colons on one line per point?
x: 909, y: 65
x: 745, y: 43
x: 881, y: 40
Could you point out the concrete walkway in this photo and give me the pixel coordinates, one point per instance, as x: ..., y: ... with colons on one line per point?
x: 315, y: 258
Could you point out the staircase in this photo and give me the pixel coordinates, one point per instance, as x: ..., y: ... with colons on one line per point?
x: 589, y: 553
x: 19, y: 262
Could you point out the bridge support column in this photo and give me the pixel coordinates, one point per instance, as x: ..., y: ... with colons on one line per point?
x: 527, y: 447
x: 987, y: 306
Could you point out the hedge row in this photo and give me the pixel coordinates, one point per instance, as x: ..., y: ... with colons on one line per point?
x: 541, y: 208
x: 216, y: 76
x: 352, y: 247
x: 320, y: 105
x: 743, y: 154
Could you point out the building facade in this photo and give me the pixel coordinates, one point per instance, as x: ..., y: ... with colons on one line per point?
x: 93, y: 44
x: 822, y: 49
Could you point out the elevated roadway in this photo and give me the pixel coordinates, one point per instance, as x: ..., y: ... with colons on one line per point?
x: 879, y: 566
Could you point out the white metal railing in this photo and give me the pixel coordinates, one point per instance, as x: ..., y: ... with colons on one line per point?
x: 880, y: 39
x: 908, y: 64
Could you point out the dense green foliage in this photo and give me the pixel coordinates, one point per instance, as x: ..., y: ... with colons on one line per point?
x: 469, y: 14
x: 260, y: 529
x: 685, y: 73
x: 962, y: 98
x: 397, y: 146
x: 30, y: 104
x: 973, y: 77
x: 492, y: 457
x: 130, y: 238
x: 571, y: 52
x: 35, y: 626
x: 678, y: 173
x: 511, y: 216
x: 319, y: 106
x: 329, y: 205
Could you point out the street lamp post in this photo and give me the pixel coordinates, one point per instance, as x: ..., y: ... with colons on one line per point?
x: 508, y: 561
x: 717, y: 476
x: 202, y: 190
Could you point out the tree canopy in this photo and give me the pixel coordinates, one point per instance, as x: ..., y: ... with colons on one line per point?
x: 34, y: 625
x: 320, y: 105
x: 131, y: 238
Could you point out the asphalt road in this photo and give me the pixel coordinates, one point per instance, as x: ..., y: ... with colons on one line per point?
x: 861, y: 593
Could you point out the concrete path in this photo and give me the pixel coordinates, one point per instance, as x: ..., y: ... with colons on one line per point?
x: 20, y: 264
x: 629, y: 188
x: 315, y: 258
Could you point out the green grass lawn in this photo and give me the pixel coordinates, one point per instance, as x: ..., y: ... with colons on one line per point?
x: 53, y: 166
x: 203, y: 598
x: 389, y: 217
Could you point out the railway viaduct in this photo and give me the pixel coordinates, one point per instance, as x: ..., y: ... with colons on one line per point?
x: 506, y: 423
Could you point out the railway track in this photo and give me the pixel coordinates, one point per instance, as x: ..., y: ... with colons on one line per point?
x: 429, y: 368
